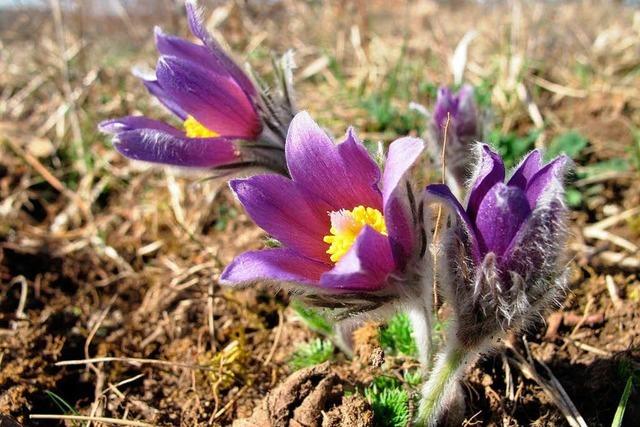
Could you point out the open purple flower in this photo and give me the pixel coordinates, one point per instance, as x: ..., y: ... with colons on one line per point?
x: 504, y: 252
x: 464, y: 129
x: 345, y: 227
x: 226, y: 121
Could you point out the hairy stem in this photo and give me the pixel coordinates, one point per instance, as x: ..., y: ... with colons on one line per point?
x: 420, y: 318
x: 440, y: 390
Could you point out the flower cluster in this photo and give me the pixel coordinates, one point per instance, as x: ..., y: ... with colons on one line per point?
x: 356, y: 237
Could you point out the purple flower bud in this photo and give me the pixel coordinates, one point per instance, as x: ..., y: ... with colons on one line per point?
x: 226, y: 122
x: 463, y: 130
x: 503, y: 254
x: 347, y: 230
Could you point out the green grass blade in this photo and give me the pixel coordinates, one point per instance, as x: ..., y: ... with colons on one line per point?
x: 617, y: 419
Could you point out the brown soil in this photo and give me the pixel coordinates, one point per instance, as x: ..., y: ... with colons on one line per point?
x: 107, y: 259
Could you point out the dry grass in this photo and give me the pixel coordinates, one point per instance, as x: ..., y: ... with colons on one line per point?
x: 102, y: 258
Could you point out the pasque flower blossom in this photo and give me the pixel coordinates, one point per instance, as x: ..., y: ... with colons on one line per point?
x: 226, y: 121
x: 352, y: 236
x: 502, y: 260
x: 463, y: 130
x: 344, y: 226
x: 505, y: 250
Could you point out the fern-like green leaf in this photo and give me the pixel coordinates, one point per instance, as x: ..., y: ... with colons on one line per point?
x: 389, y: 401
x: 310, y: 354
x: 397, y: 336
x: 313, y: 318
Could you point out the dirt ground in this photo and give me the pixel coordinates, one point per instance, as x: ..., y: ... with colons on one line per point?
x: 115, y: 265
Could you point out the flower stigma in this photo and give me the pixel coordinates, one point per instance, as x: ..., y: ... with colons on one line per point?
x: 195, y: 129
x: 347, y: 224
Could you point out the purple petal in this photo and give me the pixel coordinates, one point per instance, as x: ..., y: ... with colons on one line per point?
x: 322, y: 168
x: 527, y: 168
x: 489, y: 171
x: 500, y: 216
x: 402, y: 155
x: 215, y: 101
x: 197, y: 29
x: 128, y: 123
x: 466, y: 117
x: 286, y: 212
x: 169, y: 45
x: 365, y: 266
x: 280, y: 264
x: 442, y: 194
x: 446, y: 104
x: 351, y: 148
x: 550, y: 173
x: 156, y: 90
x: 539, y: 244
x: 152, y: 145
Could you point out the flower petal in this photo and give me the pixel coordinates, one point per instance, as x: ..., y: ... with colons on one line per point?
x: 169, y: 45
x: 501, y: 214
x: 280, y: 264
x: 322, y: 168
x: 441, y: 193
x: 551, y: 172
x: 546, y: 227
x: 361, y: 162
x: 398, y: 209
x: 286, y: 212
x: 129, y: 123
x: 215, y: 101
x: 197, y: 29
x: 156, y: 90
x: 527, y: 168
x: 446, y: 104
x: 365, y: 266
x: 466, y: 118
x: 489, y: 171
x: 140, y: 138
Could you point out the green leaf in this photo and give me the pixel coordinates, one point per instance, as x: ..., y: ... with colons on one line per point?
x: 605, y: 166
x: 389, y: 401
x: 570, y: 143
x: 396, y: 336
x: 573, y: 197
x: 511, y: 146
x: 313, y: 318
x: 311, y: 354
x: 622, y: 406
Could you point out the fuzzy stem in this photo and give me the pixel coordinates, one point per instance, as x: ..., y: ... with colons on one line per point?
x: 420, y: 318
x: 440, y: 389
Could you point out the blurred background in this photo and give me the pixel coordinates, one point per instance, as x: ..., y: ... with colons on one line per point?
x: 100, y: 257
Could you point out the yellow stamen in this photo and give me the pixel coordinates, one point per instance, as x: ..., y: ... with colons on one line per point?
x: 346, y: 225
x: 195, y: 129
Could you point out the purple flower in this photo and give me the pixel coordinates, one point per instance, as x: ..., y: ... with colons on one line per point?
x: 226, y: 121
x: 344, y: 226
x: 504, y: 252
x: 464, y: 129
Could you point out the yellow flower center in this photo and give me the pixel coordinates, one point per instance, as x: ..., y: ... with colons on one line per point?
x: 195, y: 129
x: 346, y: 225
